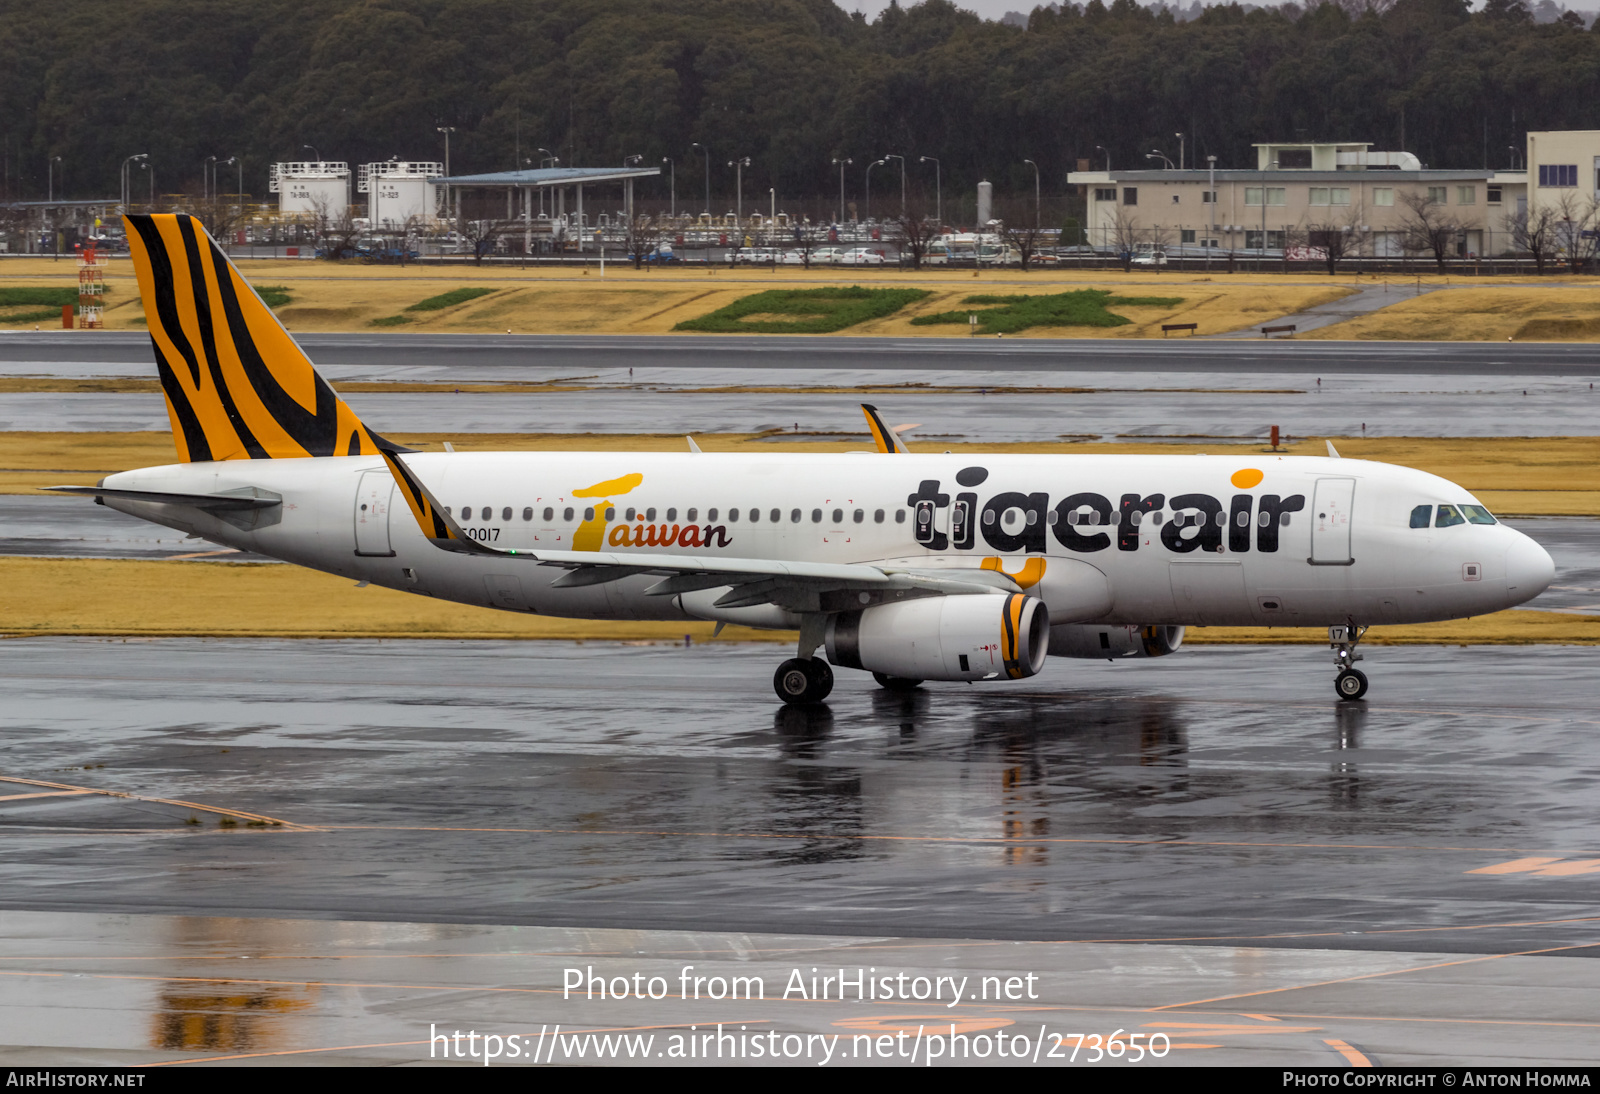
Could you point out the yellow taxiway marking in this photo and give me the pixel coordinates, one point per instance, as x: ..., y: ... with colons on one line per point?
x: 1543, y: 867
x: 238, y: 814
x: 1353, y: 1055
x: 45, y: 794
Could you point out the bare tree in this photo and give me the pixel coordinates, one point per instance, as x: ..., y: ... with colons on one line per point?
x: 1125, y: 233
x: 482, y: 235
x: 336, y: 234
x: 1537, y: 232
x: 916, y: 231
x: 644, y: 234
x: 1022, y: 232
x: 1430, y: 228
x: 1335, y: 237
x: 1578, y: 229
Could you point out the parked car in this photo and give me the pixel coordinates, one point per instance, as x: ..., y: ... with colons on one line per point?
x: 756, y: 256
x: 658, y: 256
x: 827, y: 256
x: 1150, y: 258
x: 861, y: 256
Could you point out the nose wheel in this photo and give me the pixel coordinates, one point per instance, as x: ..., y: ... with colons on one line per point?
x: 1350, y: 682
x: 800, y: 683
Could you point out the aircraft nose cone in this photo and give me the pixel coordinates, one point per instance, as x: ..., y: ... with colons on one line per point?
x: 1529, y: 569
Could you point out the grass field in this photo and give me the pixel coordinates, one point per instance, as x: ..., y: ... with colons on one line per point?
x: 578, y: 300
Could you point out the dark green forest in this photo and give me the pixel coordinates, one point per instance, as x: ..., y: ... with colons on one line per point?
x: 789, y: 83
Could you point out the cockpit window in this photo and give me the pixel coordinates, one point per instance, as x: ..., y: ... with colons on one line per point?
x: 1477, y: 514
x: 1449, y: 517
x: 1422, y: 516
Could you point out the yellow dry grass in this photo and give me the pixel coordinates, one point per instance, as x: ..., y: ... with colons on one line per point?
x: 1522, y: 313
x: 327, y: 297
x: 123, y: 597
x: 1512, y: 475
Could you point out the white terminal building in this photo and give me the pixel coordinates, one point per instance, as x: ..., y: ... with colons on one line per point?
x: 312, y: 188
x: 400, y: 192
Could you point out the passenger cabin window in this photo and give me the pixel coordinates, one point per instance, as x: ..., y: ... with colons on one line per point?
x: 816, y: 516
x: 794, y: 516
x: 1422, y: 516
x: 566, y: 514
x: 650, y: 514
x: 505, y: 514
x: 899, y: 516
x: 733, y: 516
x: 775, y: 516
x: 588, y: 514
x: 711, y: 514
x: 550, y: 514
x: 838, y: 516
x: 1449, y: 516
x: 692, y: 515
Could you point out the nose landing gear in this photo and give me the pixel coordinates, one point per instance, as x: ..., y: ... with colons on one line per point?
x: 1350, y: 683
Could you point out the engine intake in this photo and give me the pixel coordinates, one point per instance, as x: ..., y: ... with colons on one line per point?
x: 1116, y: 641
x: 944, y: 638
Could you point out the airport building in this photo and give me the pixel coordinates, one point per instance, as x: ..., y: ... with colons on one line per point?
x: 1297, y: 195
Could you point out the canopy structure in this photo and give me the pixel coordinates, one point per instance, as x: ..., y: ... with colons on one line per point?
x: 521, y: 188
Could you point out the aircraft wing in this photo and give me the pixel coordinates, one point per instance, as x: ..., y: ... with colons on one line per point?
x: 798, y: 586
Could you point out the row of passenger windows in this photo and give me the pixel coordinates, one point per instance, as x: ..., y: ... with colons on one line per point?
x: 1450, y: 515
x: 732, y: 516
x: 859, y: 516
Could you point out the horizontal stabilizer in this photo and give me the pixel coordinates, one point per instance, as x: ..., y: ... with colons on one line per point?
x: 249, y: 498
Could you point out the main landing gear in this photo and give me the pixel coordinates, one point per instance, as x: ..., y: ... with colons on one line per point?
x: 1350, y: 683
x: 807, y: 679
x: 800, y: 683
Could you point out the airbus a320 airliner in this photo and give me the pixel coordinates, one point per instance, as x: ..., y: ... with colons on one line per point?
x: 913, y: 567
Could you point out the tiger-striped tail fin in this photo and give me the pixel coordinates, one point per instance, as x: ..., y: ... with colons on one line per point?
x: 237, y: 385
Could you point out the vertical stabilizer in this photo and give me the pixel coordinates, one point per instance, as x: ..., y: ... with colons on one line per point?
x: 237, y: 385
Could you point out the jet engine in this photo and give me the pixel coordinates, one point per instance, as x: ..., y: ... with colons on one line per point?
x: 972, y: 637
x: 1114, y: 642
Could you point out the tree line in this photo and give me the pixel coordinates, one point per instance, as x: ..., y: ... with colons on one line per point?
x: 792, y: 84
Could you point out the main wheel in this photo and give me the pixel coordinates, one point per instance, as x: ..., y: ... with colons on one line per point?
x: 799, y: 682
x: 896, y: 683
x: 1350, y: 684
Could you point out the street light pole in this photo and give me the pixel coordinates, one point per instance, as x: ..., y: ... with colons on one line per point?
x: 127, y: 196
x: 446, y: 130
x: 868, y: 185
x: 52, y: 163
x: 1273, y: 166
x: 707, y: 151
x: 841, y: 164
x: 1211, y: 217
x: 1180, y: 137
x: 1036, y: 219
x: 1107, y: 151
x: 738, y: 202
x: 938, y: 191
x: 152, y: 170
x: 672, y: 174
x: 208, y: 171
x: 902, y: 160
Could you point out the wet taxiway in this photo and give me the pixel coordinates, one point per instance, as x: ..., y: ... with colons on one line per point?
x: 1222, y: 794
x: 397, y: 834
x: 587, y: 352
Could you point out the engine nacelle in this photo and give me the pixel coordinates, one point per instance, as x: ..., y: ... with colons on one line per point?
x: 970, y: 637
x: 1115, y: 641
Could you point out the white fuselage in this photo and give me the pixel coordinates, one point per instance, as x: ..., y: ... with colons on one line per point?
x: 1195, y: 540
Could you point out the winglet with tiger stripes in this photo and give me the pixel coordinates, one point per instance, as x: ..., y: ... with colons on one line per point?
x: 237, y: 385
x: 887, y: 440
